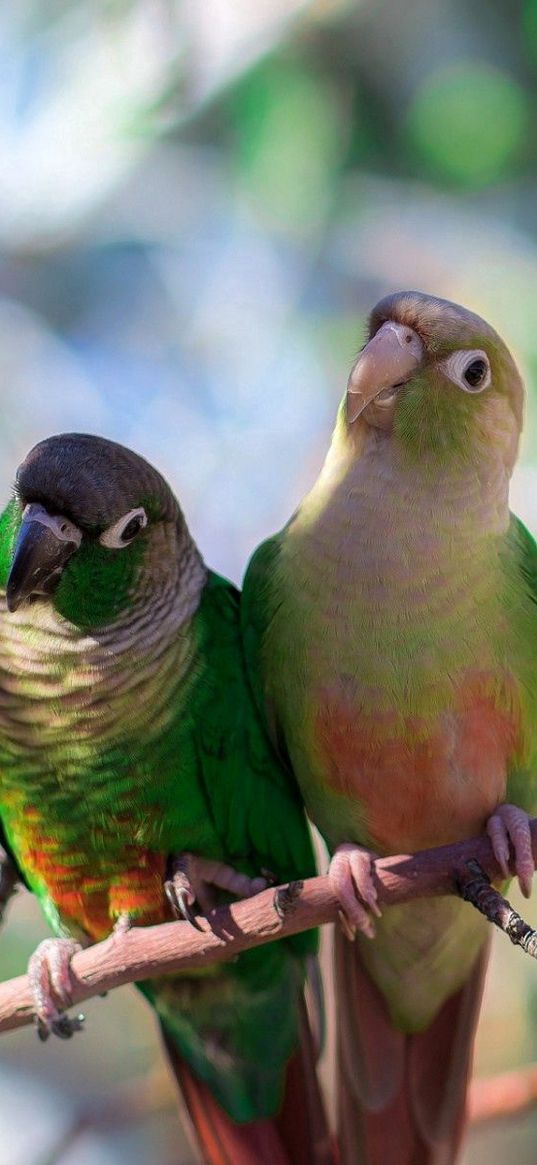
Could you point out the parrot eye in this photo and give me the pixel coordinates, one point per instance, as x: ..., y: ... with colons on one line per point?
x: 475, y: 373
x: 124, y: 530
x: 469, y: 370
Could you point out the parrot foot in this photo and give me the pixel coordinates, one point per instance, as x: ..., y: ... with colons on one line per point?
x: 122, y: 924
x: 193, y: 880
x: 49, y: 973
x: 350, y: 873
x: 509, y: 825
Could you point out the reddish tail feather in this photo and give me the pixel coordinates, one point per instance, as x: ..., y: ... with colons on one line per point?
x: 401, y: 1097
x: 298, y: 1135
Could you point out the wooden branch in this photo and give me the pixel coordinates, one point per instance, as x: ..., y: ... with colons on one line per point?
x: 475, y: 887
x: 143, y: 952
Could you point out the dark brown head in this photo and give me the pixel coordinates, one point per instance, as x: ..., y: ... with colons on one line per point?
x: 88, y: 520
x: 92, y: 481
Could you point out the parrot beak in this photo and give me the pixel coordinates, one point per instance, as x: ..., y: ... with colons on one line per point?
x: 385, y: 363
x: 44, y: 544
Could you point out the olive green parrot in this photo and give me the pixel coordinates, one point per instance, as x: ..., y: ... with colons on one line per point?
x: 391, y: 634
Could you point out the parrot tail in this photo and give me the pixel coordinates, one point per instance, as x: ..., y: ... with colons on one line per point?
x: 401, y: 1097
x: 298, y: 1135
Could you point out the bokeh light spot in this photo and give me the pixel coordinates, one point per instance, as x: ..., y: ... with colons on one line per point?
x: 468, y: 122
x: 291, y: 137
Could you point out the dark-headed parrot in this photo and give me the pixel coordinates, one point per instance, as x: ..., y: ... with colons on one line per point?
x: 128, y: 735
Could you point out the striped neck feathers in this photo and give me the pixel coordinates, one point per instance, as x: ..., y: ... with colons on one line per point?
x: 134, y: 664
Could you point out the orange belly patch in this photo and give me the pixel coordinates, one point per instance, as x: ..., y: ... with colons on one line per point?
x: 421, y: 781
x: 92, y: 895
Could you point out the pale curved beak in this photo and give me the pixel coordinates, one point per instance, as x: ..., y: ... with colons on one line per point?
x: 386, y: 362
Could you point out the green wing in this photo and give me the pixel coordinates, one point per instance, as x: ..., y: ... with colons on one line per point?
x: 254, y: 798
x: 256, y: 615
x: 237, y: 1024
x: 523, y: 544
x: 520, y: 603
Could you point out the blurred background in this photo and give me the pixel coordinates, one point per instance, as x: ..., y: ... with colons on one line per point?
x: 200, y: 200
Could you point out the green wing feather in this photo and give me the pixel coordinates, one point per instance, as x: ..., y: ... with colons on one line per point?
x: 524, y: 548
x: 237, y: 1024
x: 256, y: 615
x: 255, y: 801
x: 520, y: 564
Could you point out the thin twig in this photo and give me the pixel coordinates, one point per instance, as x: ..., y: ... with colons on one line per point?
x: 475, y: 887
x: 145, y: 952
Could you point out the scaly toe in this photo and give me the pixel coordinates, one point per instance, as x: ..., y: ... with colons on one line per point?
x: 49, y: 973
x: 510, y: 824
x: 361, y: 868
x: 122, y: 924
x: 181, y: 899
x: 195, y: 879
x: 351, y: 875
x: 348, y: 927
x: 225, y: 877
x: 500, y: 842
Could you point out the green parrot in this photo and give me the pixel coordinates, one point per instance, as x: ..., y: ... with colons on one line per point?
x: 127, y: 735
x: 391, y: 634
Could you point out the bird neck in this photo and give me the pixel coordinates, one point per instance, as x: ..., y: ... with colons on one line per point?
x: 367, y: 490
x: 390, y: 577
x: 83, y: 682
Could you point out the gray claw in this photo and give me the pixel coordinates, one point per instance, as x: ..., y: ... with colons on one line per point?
x: 181, y: 908
x: 63, y: 1027
x: 43, y: 1029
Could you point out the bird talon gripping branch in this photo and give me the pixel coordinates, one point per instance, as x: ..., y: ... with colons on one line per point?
x: 181, y: 900
x: 196, y: 879
x: 49, y: 972
x: 64, y: 1026
x: 509, y: 826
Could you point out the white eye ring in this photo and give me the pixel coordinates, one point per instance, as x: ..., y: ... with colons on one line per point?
x: 459, y: 365
x: 114, y: 537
